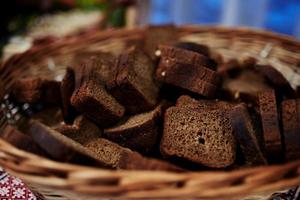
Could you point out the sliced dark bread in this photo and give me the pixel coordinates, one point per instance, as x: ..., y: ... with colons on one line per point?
x: 133, y: 85
x: 202, y: 104
x: 172, y: 55
x: 270, y: 124
x: 66, y: 90
x: 139, y: 132
x: 20, y: 140
x: 92, y: 100
x: 81, y: 131
x: 291, y: 127
x: 204, y: 137
x: 135, y: 161
x: 119, y: 157
x: 186, y: 69
x: 201, y: 49
x: 244, y: 131
x: 276, y: 79
x: 157, y: 35
x: 185, y: 77
x: 61, y: 147
x: 191, y: 46
x: 34, y: 90
x: 104, y: 64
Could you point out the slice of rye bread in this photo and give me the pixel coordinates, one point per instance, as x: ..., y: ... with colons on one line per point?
x: 81, y: 131
x: 20, y: 140
x: 119, y: 157
x: 60, y: 147
x: 276, y: 79
x: 171, y: 55
x: 157, y: 35
x: 134, y: 86
x: 104, y: 65
x: 204, y: 137
x: 202, y: 104
x: 92, y: 100
x: 244, y: 131
x: 184, y: 69
x: 201, y: 49
x: 138, y: 133
x: 291, y: 127
x: 185, y: 77
x: 36, y: 90
x: 270, y: 125
x: 66, y: 90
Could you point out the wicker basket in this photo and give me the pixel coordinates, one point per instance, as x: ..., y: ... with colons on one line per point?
x: 55, y: 180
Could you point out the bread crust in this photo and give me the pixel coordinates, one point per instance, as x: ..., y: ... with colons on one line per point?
x: 270, y: 125
x: 246, y: 136
x: 291, y: 126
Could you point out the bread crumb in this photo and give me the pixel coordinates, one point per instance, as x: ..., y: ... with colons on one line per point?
x: 158, y: 53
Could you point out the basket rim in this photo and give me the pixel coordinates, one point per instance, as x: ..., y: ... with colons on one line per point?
x: 258, y: 179
x: 189, y: 27
x: 12, y: 159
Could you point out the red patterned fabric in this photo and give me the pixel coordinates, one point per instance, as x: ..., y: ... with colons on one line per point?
x: 14, y: 189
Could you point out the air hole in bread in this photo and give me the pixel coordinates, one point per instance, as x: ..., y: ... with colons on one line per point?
x: 201, y: 140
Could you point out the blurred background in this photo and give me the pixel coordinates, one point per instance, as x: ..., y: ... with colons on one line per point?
x: 26, y: 22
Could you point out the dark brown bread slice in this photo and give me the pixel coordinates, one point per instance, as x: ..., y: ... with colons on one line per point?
x: 201, y: 104
x: 20, y: 140
x: 134, y: 86
x: 92, y: 100
x: 245, y: 134
x: 33, y: 90
x: 66, y: 90
x: 276, y: 79
x: 135, y: 161
x: 51, y: 116
x: 191, y: 46
x: 291, y: 128
x: 171, y: 56
x: 139, y: 132
x: 270, y: 125
x: 187, y: 70
x: 186, y: 77
x: 157, y: 35
x: 104, y: 64
x: 61, y: 147
x: 204, y: 137
x: 81, y: 131
x: 201, y: 49
x: 119, y: 157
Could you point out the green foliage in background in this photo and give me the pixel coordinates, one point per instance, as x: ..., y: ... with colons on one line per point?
x: 91, y: 5
x: 116, y: 17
